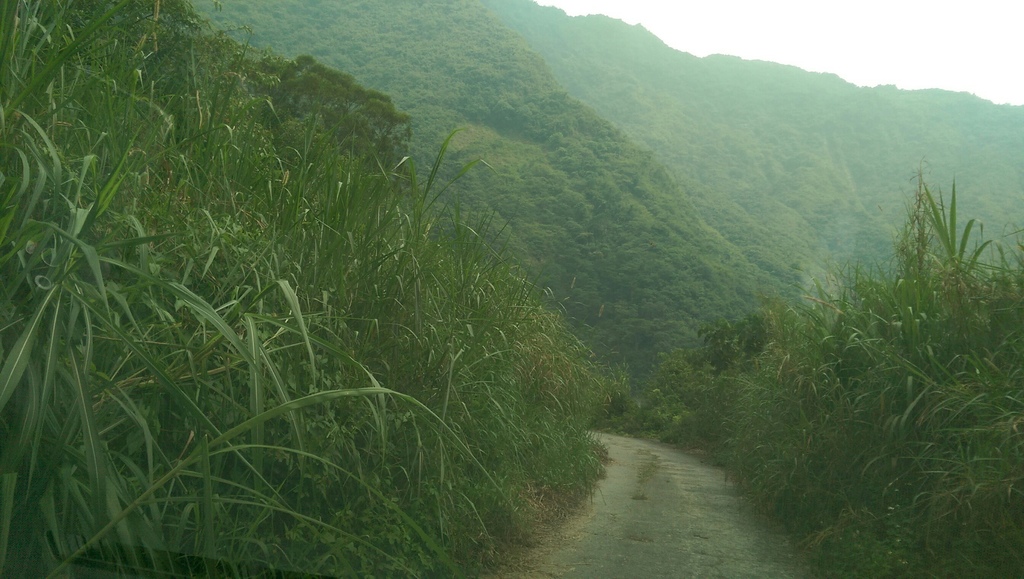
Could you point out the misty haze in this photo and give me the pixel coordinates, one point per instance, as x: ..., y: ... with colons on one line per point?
x: 477, y: 288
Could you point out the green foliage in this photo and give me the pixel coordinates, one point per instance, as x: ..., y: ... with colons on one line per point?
x: 793, y: 168
x: 219, y: 355
x: 880, y: 422
x: 595, y: 218
x: 692, y: 396
x: 364, y: 121
x: 730, y: 344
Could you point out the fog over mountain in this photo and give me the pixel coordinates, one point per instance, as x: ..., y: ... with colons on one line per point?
x: 649, y: 189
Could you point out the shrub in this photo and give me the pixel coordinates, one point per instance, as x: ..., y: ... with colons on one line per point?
x: 221, y: 357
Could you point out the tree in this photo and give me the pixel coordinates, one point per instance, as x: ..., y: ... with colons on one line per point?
x: 363, y: 120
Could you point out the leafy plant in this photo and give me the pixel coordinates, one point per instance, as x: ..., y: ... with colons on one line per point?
x: 592, y: 216
x: 218, y: 357
x: 881, y: 419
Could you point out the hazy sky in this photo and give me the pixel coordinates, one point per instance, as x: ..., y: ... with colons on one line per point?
x: 975, y: 46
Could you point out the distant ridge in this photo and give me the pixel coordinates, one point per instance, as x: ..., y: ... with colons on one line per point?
x: 676, y: 189
x: 808, y: 163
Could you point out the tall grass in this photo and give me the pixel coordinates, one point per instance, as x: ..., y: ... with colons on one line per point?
x: 218, y: 357
x: 886, y: 420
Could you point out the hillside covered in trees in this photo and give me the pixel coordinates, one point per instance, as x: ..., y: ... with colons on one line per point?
x: 596, y: 218
x: 675, y: 189
x: 779, y: 160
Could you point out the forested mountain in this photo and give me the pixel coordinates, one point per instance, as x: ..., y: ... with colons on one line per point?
x: 679, y: 187
x: 597, y: 218
x: 780, y: 160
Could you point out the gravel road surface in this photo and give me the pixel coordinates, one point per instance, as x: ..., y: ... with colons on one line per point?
x: 663, y: 513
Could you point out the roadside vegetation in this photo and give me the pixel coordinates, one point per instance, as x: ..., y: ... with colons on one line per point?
x: 596, y: 218
x: 242, y: 329
x: 237, y: 331
x: 881, y: 419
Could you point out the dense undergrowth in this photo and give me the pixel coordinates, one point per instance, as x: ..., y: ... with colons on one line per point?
x: 883, y: 419
x: 235, y: 331
x: 595, y: 217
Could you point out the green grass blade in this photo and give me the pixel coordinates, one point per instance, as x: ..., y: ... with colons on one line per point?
x: 940, y: 225
x: 293, y: 302
x: 964, y: 238
x: 93, y: 446
x: 256, y: 389
x: 19, y: 356
x: 40, y: 78
x: 207, y: 511
x: 200, y: 307
x: 8, y: 486
x: 90, y: 254
x: 281, y: 391
x: 50, y: 169
x: 952, y: 213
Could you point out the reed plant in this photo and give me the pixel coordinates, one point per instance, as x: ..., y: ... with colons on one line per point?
x: 885, y: 420
x: 221, y: 357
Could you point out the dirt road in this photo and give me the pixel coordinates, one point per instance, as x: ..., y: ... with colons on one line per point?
x: 663, y: 513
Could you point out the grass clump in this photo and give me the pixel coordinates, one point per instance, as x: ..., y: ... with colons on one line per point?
x: 237, y: 333
x: 882, y: 419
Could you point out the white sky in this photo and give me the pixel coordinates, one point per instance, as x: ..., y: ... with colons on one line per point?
x: 975, y: 46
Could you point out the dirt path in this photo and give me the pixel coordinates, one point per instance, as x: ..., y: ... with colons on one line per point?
x: 662, y: 513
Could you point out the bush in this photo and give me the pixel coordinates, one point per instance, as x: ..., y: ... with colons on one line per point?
x: 883, y: 421
x: 691, y: 398
x: 217, y: 356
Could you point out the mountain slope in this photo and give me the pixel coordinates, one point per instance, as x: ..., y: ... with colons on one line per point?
x: 597, y: 218
x: 811, y: 165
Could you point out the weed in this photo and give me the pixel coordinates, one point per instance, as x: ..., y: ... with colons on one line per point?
x: 220, y: 343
